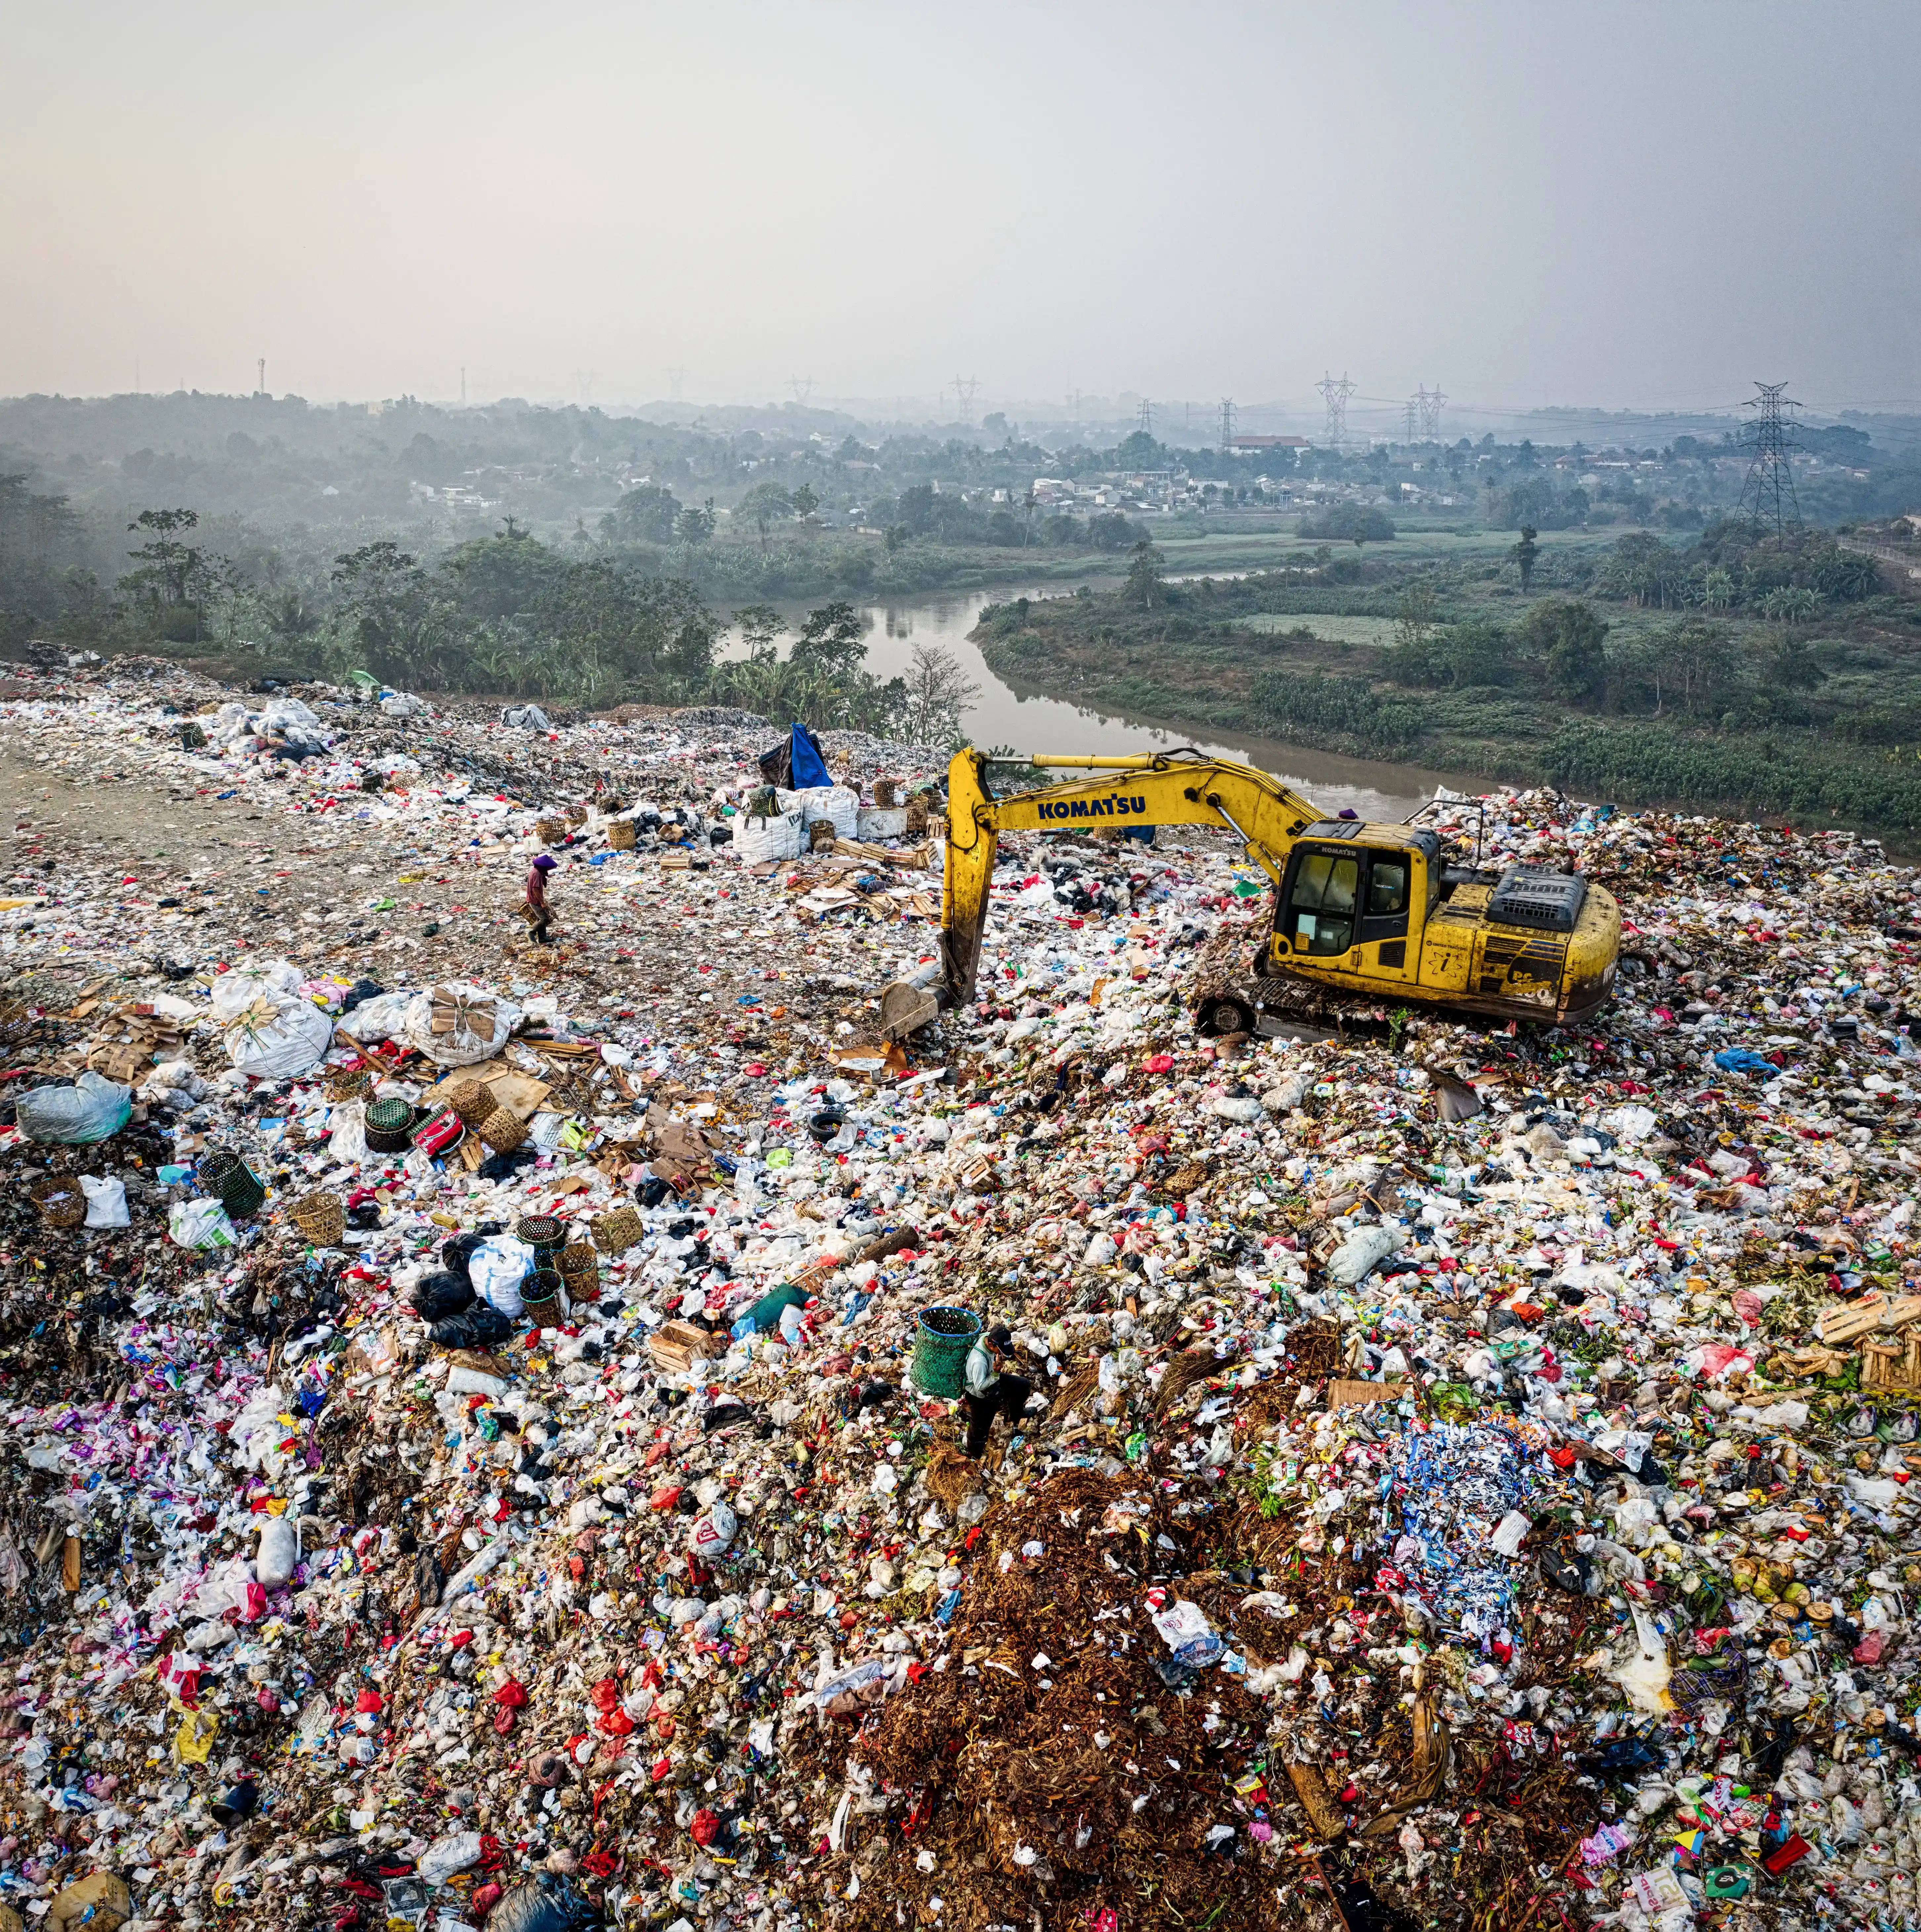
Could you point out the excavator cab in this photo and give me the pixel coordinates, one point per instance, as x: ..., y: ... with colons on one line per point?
x: 1354, y: 897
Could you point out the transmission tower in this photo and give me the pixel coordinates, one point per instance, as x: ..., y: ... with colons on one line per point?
x: 1334, y: 393
x: 260, y: 385
x: 1431, y: 409
x: 1767, y: 497
x: 1226, y: 422
x: 1411, y: 414
x: 802, y: 387
x: 586, y: 378
x: 964, y: 389
x: 675, y: 376
x: 1146, y: 417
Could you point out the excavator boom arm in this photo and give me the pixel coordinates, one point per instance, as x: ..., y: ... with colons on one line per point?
x: 1151, y: 789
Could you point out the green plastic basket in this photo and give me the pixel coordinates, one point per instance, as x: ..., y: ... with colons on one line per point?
x: 943, y: 1339
x: 240, y: 1188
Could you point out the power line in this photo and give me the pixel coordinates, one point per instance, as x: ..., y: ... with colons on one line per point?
x: 1335, y: 394
x: 1768, y: 495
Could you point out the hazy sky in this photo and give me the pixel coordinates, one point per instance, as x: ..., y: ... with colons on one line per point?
x: 1607, y: 203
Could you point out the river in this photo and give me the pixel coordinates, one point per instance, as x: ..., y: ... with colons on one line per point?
x: 1005, y: 715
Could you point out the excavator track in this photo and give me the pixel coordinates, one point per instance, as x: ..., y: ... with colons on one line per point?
x: 1229, y: 995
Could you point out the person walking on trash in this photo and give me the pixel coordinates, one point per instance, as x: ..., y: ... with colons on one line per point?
x: 989, y: 1392
x: 538, y: 914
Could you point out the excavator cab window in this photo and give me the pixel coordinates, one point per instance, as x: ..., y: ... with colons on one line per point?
x: 1386, y: 915
x: 1387, y: 886
x: 1320, y: 909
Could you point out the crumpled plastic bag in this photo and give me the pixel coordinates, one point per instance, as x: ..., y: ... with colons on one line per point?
x: 201, y: 1224
x: 1184, y: 1630
x: 455, y: 1852
x: 1739, y: 1060
x: 106, y: 1201
x: 278, y: 1554
x: 713, y: 1529
x: 525, y: 718
x: 287, y: 718
x: 173, y: 1080
x: 93, y: 1109
x: 1361, y: 1252
x: 195, y: 1738
x: 383, y: 1017
x: 497, y: 1268
x: 548, y: 1903
x: 346, y: 1131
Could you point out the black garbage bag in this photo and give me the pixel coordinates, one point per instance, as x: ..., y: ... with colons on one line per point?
x: 548, y: 1903
x: 456, y: 1253
x: 429, y: 1579
x: 444, y: 1293
x: 479, y: 1327
x: 360, y: 992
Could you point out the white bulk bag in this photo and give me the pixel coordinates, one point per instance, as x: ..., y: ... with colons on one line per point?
x: 460, y: 1024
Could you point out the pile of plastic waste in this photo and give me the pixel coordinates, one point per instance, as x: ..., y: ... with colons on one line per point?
x: 480, y: 1434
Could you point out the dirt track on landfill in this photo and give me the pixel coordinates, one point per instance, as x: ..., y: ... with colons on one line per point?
x: 167, y: 837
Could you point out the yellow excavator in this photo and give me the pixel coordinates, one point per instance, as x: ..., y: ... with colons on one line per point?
x: 1363, y: 914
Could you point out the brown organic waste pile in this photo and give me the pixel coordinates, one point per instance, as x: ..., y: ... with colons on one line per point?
x: 463, y: 1461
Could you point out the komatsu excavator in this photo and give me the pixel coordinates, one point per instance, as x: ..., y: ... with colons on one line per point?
x: 1364, y: 915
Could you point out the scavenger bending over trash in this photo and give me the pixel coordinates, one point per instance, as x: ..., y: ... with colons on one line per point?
x: 989, y: 1392
x: 536, y: 912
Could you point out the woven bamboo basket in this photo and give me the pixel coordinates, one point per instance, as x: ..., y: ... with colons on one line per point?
x: 322, y: 1218
x: 617, y: 1230
x: 621, y: 835
x: 575, y: 814
x: 59, y: 1198
x: 503, y: 1130
x: 579, y: 1266
x: 553, y: 831
x: 474, y: 1101
x: 539, y: 1295
x: 349, y: 1083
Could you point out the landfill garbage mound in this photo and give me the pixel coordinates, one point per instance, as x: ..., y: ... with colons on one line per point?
x: 593, y: 1434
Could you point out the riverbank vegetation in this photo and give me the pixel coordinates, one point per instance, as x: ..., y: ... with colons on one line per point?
x: 1779, y: 675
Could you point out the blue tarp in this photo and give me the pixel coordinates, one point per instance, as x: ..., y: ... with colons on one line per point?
x: 809, y: 768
